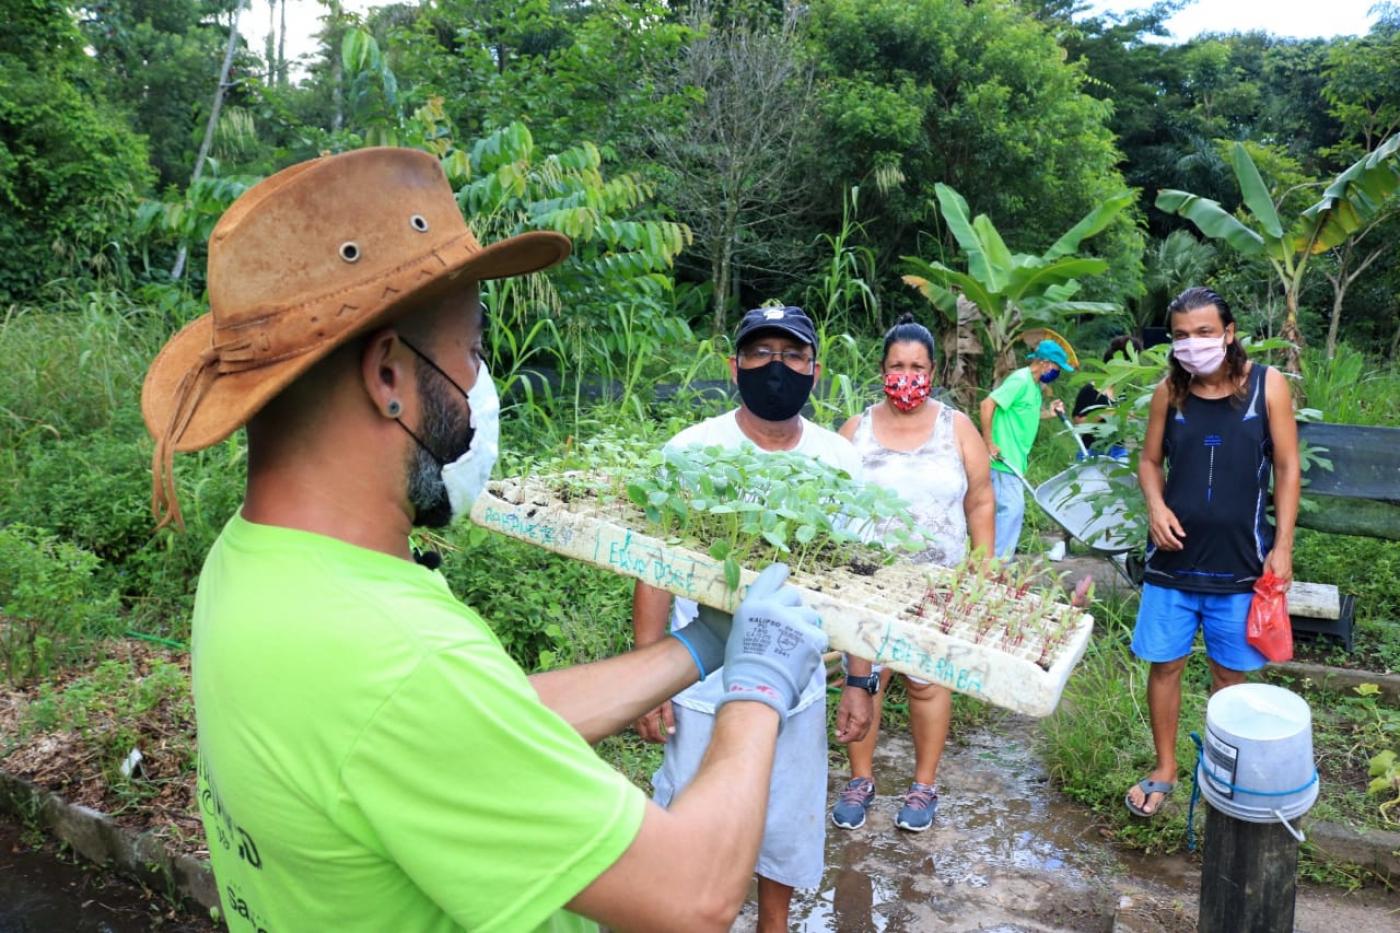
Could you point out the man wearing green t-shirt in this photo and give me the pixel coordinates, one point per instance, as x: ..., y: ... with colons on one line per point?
x: 1011, y: 417
x: 369, y: 756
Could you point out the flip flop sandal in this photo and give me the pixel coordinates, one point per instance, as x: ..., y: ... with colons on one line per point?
x: 1149, y: 787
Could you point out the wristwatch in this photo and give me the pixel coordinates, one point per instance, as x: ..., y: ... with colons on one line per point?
x: 870, y: 684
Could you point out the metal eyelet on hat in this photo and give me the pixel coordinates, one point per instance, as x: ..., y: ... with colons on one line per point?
x: 350, y: 251
x: 418, y: 222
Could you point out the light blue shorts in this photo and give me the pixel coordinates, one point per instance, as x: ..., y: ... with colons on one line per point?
x: 1168, y: 619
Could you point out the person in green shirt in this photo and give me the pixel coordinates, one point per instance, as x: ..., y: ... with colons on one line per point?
x: 1011, y: 417
x: 370, y: 758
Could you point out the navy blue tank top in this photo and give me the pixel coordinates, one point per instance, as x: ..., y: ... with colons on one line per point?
x: 1219, y: 458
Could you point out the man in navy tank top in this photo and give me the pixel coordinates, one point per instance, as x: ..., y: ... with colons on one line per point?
x: 1220, y: 428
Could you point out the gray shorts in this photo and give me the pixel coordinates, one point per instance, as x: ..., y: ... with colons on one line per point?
x: 794, y: 834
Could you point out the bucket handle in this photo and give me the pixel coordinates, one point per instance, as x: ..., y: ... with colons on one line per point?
x: 1297, y: 834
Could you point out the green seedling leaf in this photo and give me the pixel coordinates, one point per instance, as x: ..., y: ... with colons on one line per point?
x: 719, y: 550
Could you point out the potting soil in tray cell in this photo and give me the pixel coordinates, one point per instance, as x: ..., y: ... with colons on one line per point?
x: 976, y: 636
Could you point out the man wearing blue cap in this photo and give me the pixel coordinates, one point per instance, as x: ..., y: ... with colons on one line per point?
x: 1011, y: 417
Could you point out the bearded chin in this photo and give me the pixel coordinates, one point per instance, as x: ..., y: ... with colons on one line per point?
x: 426, y: 492
x: 445, y: 429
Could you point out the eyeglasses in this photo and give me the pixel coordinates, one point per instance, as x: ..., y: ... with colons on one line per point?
x: 756, y: 357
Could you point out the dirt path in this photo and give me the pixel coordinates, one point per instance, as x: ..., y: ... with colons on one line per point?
x: 1007, y: 853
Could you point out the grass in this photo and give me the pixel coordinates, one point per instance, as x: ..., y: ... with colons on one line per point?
x: 1351, y: 388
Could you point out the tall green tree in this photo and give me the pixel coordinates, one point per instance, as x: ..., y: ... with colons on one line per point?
x: 70, y: 169
x: 976, y: 95
x: 159, y: 60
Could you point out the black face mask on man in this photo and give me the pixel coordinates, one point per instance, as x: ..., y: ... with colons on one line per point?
x: 774, y: 392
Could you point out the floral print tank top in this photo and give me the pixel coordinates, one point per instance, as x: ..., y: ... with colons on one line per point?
x: 932, y: 479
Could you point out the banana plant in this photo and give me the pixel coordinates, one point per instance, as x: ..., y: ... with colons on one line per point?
x: 1010, y: 291
x: 1349, y: 202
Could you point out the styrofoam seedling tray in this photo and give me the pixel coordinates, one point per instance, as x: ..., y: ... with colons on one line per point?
x: 875, y: 616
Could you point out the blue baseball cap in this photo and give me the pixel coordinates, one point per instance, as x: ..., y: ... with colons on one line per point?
x: 1052, y: 352
x: 788, y: 320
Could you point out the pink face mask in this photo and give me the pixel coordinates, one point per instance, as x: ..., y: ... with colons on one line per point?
x: 1199, y: 356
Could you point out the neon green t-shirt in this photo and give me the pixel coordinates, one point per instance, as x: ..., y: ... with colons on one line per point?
x: 1017, y: 418
x: 370, y: 757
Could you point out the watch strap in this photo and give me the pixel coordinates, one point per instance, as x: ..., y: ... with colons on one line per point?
x: 870, y: 683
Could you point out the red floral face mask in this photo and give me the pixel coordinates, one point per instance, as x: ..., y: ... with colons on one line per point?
x: 907, y: 391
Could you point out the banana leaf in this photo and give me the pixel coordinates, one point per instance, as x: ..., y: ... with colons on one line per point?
x: 1354, y: 197
x: 946, y: 278
x: 1091, y: 224
x: 955, y: 210
x: 1255, y: 192
x: 1032, y: 278
x: 944, y: 300
x: 1212, y: 220
x: 999, y: 261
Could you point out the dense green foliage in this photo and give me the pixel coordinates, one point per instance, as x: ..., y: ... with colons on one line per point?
x: 70, y: 167
x: 1034, y: 113
x: 977, y: 96
x: 633, y: 127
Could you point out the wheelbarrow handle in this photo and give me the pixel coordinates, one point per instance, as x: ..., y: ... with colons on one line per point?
x: 1014, y: 472
x: 1074, y: 433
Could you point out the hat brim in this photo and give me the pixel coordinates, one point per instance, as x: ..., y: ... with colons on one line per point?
x: 233, y: 398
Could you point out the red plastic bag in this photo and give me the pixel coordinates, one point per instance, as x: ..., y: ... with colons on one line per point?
x: 1268, y: 628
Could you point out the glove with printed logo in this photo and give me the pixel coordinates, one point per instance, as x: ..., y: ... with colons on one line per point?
x: 774, y: 645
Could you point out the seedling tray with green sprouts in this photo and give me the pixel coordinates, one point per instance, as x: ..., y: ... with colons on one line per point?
x: 700, y: 523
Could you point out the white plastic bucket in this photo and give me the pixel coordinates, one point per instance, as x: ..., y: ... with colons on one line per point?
x: 1257, y: 758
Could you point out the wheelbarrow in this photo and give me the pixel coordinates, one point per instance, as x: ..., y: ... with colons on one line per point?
x: 1097, y: 501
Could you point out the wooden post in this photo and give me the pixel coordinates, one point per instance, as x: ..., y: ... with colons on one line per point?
x: 1249, y: 876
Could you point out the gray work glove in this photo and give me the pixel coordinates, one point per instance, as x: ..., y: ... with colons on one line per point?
x: 705, y: 638
x: 774, y: 645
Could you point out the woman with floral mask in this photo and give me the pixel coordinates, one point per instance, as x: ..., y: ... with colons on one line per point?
x: 1219, y: 426
x: 935, y: 458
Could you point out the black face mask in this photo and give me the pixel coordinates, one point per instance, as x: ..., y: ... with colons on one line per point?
x: 774, y: 392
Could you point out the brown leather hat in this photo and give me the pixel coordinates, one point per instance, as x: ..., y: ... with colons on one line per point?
x: 305, y: 260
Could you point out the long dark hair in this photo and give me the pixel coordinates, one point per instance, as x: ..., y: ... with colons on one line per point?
x: 1178, y: 379
x: 907, y: 328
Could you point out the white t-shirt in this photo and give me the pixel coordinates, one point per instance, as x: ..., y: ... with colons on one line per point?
x: 724, y: 431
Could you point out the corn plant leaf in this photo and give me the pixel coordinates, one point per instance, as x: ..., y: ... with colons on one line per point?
x: 1255, y: 192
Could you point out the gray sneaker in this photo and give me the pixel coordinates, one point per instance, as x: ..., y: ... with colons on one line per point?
x: 852, y: 802
x: 920, y: 804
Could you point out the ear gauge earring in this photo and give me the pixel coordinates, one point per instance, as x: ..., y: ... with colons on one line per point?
x: 394, y: 408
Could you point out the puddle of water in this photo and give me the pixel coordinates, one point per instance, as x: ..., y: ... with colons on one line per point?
x: 40, y: 893
x: 1004, y: 851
